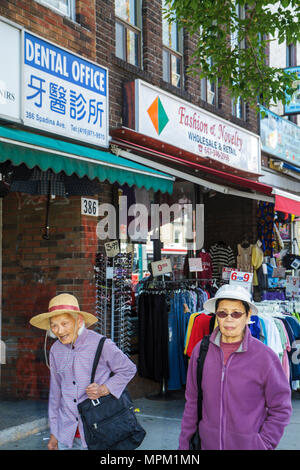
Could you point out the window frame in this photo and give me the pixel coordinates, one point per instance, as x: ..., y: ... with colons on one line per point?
x: 291, y: 55
x: 129, y: 27
x: 238, y: 105
x: 176, y: 53
x: 205, y: 82
x: 71, y: 8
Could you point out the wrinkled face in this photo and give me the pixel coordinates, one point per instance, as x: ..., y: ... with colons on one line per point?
x: 65, y: 327
x: 232, y: 329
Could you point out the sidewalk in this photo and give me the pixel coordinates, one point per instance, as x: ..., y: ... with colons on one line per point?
x: 24, y: 425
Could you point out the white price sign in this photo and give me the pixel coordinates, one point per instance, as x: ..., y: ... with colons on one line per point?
x: 241, y: 279
x: 226, y: 272
x: 89, y: 207
x: 112, y: 248
x: 159, y: 268
x: 292, y: 286
x: 195, y: 264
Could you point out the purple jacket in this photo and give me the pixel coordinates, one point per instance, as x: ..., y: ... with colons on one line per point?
x: 246, y: 403
x: 70, y: 375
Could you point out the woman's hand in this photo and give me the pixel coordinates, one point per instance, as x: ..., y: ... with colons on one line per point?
x: 53, y: 443
x: 95, y: 391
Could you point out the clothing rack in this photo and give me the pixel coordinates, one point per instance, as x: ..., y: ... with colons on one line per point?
x: 173, y: 294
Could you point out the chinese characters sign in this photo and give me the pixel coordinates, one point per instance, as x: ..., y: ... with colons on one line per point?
x: 63, y: 93
x: 280, y: 137
x: 179, y: 123
x: 293, y: 105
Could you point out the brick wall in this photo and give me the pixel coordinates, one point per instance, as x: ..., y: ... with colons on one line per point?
x: 151, y: 68
x: 34, y: 270
x: 229, y: 219
x: 77, y: 36
x: 92, y: 35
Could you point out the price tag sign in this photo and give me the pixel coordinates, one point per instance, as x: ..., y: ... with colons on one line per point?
x: 161, y: 267
x: 239, y: 278
x: 292, y: 286
x: 195, y: 264
x: 112, y: 248
x: 89, y: 207
x: 226, y: 272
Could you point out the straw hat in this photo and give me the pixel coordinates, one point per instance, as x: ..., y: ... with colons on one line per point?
x: 60, y: 304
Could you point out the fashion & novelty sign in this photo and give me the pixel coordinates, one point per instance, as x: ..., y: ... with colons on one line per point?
x: 165, y: 117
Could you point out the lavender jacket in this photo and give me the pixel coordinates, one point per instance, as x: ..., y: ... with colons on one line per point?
x: 70, y: 375
x: 246, y: 403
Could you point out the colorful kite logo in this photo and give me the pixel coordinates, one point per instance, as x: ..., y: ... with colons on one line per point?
x: 158, y: 115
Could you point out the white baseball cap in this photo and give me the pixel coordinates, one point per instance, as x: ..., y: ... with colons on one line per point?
x: 229, y: 291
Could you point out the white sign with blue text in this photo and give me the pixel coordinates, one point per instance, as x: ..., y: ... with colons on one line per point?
x: 64, y: 93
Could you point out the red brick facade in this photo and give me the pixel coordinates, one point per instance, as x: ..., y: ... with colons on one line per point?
x: 35, y: 269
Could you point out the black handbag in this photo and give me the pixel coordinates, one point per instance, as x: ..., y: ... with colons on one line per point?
x: 110, y: 423
x: 195, y: 441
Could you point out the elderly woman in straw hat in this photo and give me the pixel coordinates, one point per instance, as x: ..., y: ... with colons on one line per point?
x: 71, y: 359
x: 246, y: 396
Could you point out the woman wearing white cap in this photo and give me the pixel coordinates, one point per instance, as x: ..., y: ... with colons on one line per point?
x: 246, y: 396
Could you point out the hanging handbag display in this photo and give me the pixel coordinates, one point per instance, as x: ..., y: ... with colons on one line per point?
x: 110, y: 423
x: 195, y: 441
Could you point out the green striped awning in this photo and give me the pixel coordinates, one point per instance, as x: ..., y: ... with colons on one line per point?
x: 20, y: 146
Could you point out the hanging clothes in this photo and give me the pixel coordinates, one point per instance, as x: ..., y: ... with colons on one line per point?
x: 244, y: 258
x: 153, y: 336
x: 207, y: 268
x: 293, y: 329
x: 221, y: 256
x: 265, y: 225
x: 257, y: 258
x: 254, y: 326
x: 200, y: 328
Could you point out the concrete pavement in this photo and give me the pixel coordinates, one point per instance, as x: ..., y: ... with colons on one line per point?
x: 160, y: 418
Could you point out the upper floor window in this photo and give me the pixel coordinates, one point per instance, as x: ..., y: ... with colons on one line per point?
x: 128, y: 30
x: 209, y: 90
x: 65, y: 7
x: 172, y: 51
x: 238, y: 104
x: 291, y: 59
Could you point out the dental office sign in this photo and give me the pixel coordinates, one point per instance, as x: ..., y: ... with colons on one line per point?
x: 49, y: 88
x: 167, y: 118
x: 63, y: 93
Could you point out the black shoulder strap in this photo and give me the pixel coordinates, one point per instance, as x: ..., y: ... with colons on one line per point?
x: 200, y: 363
x: 97, y: 357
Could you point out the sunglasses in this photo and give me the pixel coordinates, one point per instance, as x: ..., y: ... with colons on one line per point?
x: 234, y: 315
